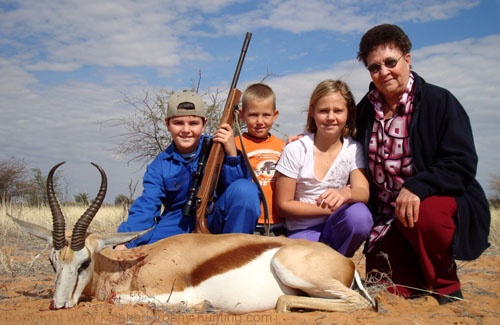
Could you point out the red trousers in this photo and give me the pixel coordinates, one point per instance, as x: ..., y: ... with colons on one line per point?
x: 419, y: 257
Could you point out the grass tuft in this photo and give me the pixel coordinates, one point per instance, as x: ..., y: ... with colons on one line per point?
x: 16, y: 244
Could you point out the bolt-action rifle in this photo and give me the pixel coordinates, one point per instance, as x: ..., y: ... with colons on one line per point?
x: 205, y: 194
x: 187, y: 210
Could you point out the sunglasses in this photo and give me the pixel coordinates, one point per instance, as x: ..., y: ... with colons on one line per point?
x: 388, y: 63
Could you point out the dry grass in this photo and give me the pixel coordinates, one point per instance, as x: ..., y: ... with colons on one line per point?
x: 495, y: 226
x: 106, y: 220
x: 17, y: 246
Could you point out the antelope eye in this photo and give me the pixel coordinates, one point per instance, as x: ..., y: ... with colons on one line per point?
x: 84, y: 265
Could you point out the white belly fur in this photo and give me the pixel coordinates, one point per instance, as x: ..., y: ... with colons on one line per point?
x: 252, y: 287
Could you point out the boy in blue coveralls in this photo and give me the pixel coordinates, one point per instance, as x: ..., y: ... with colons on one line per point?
x: 168, y: 178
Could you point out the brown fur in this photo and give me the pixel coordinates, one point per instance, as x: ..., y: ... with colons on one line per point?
x: 229, y: 260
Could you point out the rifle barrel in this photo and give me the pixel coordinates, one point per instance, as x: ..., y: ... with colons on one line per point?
x: 215, y: 160
x: 244, y: 49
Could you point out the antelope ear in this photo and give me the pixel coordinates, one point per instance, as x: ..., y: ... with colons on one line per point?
x: 33, y: 229
x: 118, y: 238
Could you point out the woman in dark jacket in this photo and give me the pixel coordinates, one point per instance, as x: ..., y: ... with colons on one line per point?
x: 428, y: 208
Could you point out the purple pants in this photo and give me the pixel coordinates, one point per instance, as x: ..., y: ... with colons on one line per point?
x: 344, y: 230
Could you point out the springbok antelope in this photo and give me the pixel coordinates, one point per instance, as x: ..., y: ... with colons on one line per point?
x: 237, y: 273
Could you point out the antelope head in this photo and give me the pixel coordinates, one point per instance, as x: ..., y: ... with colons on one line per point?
x: 73, y: 262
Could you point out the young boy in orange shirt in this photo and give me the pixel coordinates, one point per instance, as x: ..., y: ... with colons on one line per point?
x: 263, y: 149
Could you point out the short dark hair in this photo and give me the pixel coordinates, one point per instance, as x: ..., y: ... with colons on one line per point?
x: 380, y: 35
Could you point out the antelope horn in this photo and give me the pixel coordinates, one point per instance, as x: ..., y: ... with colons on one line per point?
x: 78, y: 236
x: 59, y: 226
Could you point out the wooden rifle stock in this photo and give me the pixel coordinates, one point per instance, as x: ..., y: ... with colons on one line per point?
x: 216, y: 158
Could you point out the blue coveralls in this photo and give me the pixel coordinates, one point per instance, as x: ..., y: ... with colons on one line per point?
x: 167, y: 181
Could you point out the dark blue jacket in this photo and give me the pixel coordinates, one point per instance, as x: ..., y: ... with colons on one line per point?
x: 166, y: 184
x: 445, y: 161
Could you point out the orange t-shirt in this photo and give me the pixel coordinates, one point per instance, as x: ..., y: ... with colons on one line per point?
x: 264, y: 155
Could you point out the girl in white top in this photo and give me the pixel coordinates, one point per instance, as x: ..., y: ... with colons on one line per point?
x: 321, y: 188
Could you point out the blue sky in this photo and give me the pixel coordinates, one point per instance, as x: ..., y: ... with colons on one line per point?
x: 66, y: 66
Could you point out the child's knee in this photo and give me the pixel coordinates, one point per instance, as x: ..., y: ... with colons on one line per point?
x: 243, y: 189
x: 359, y: 218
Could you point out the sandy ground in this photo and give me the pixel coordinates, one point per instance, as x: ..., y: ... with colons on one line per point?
x: 26, y: 287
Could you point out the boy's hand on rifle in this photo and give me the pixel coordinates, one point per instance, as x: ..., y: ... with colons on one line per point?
x: 225, y: 136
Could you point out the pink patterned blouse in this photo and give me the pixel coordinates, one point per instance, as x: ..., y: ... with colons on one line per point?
x: 389, y: 158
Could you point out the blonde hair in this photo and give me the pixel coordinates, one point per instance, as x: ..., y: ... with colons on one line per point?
x: 328, y: 87
x: 260, y: 92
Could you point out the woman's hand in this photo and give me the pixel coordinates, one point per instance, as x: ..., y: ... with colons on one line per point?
x: 225, y: 136
x: 293, y: 138
x: 120, y: 247
x: 407, y: 207
x: 333, y: 198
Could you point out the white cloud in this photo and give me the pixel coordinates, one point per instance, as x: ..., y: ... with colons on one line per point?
x: 14, y: 80
x: 298, y: 56
x: 62, y: 122
x: 66, y: 35
x: 469, y: 69
x: 428, y: 10
x: 298, y: 16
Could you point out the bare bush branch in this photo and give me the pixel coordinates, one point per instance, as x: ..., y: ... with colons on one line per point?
x: 145, y: 134
x: 269, y: 74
